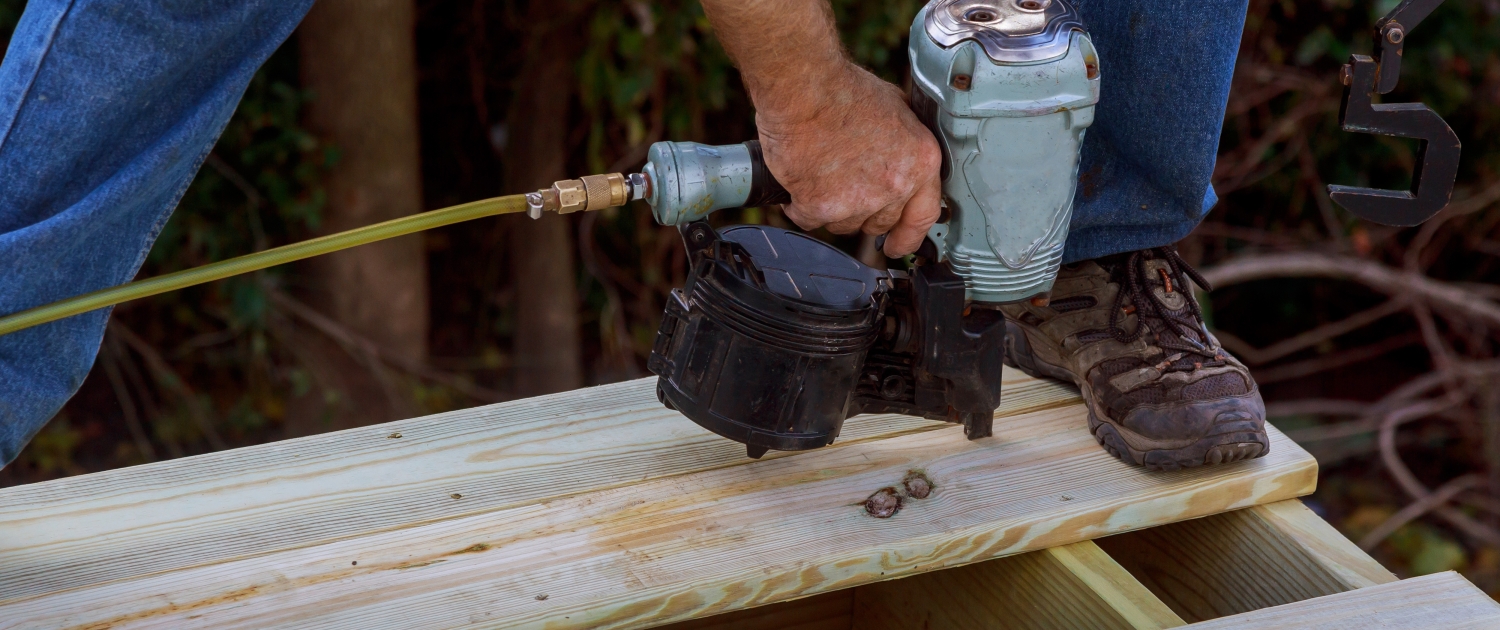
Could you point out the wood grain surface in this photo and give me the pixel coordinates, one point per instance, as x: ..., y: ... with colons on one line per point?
x: 1244, y: 560
x: 589, y: 509
x: 134, y: 521
x: 1299, y: 527
x: 1442, y: 600
x: 1065, y: 587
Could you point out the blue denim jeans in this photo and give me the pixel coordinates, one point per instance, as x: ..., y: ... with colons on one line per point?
x: 109, y: 107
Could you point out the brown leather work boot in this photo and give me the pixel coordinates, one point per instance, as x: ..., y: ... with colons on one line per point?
x: 1162, y: 393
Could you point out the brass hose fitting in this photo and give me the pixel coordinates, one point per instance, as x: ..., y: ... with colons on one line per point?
x: 590, y: 193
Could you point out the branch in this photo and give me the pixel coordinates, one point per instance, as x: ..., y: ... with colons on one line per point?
x: 1235, y: 168
x: 1442, y: 357
x: 613, y: 330
x: 350, y: 339
x: 169, y: 378
x: 1309, y: 367
x: 1319, y: 192
x: 1410, y: 483
x: 1458, y: 208
x: 1249, y: 235
x: 1316, y: 407
x: 1259, y: 356
x: 1441, y: 296
x: 1412, y: 511
x: 1374, y: 414
x: 110, y: 360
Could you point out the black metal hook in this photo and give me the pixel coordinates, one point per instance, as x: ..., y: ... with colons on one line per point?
x: 1437, y: 159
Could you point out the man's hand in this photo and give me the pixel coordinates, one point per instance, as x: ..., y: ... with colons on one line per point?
x: 844, y: 143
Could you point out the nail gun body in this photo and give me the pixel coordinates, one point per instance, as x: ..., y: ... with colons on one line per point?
x: 1008, y: 88
x: 777, y: 338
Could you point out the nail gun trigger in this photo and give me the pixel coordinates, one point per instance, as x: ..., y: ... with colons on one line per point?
x: 928, y: 251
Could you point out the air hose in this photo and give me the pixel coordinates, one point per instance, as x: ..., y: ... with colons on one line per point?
x: 261, y: 260
x: 715, y: 177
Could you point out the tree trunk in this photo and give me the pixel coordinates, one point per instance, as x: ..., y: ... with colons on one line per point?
x: 358, y: 58
x: 547, y: 349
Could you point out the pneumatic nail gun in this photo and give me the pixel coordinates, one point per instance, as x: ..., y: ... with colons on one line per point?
x: 776, y: 338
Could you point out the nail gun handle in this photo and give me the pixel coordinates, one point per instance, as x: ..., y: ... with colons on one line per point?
x: 688, y: 181
x: 764, y: 189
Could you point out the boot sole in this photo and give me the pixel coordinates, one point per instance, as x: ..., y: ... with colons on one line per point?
x: 1225, y: 443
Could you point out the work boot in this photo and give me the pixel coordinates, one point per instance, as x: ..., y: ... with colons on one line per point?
x: 1127, y: 330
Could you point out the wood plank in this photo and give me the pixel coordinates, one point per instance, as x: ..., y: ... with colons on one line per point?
x: 1115, y: 586
x: 97, y: 528
x: 829, y: 611
x: 1442, y: 600
x: 1070, y: 586
x: 1344, y: 561
x: 673, y: 548
x: 1244, y: 560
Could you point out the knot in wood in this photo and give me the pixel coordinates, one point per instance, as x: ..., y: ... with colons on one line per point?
x: 885, y: 503
x: 917, y: 485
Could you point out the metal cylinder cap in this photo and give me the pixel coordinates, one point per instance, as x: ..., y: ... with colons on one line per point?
x: 1010, y: 31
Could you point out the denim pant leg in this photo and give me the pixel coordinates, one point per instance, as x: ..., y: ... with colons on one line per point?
x: 1148, y: 158
x: 107, y: 109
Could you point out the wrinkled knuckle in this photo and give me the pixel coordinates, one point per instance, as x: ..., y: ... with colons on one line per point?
x: 898, y: 183
x: 829, y: 213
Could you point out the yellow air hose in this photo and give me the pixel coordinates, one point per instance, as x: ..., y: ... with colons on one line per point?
x: 260, y: 260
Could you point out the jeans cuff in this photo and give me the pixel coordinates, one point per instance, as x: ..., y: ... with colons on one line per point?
x: 1095, y: 242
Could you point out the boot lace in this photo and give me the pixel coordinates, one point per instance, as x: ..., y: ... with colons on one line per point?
x: 1181, y: 330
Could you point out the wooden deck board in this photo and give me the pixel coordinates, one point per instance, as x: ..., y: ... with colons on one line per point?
x: 135, y: 521
x: 1443, y: 600
x: 620, y: 514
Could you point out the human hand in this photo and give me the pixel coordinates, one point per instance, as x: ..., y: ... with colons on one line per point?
x: 854, y: 158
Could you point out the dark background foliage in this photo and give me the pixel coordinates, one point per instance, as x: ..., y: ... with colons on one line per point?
x: 213, y: 367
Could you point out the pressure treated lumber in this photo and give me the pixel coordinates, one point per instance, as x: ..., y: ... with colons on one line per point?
x: 1065, y: 587
x: 588, y: 509
x: 212, y: 508
x: 1009, y: 593
x: 1442, y: 600
x: 1244, y: 560
x: 1301, y: 529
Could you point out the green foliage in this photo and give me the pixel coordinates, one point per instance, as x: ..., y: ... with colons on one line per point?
x: 650, y: 71
x: 1417, y: 548
x: 52, y: 450
x: 875, y: 33
x: 1430, y: 550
